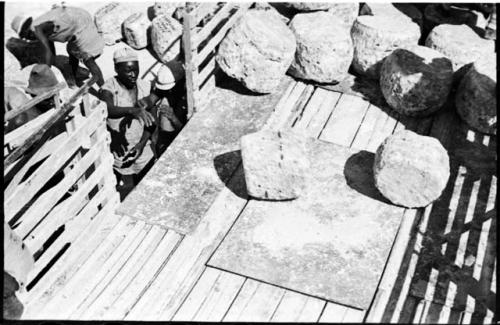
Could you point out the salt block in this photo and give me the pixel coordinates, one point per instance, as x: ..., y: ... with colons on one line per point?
x: 416, y: 81
x: 109, y: 19
x: 135, y: 29
x: 165, y: 8
x: 324, y: 47
x: 435, y: 15
x: 344, y: 12
x: 164, y: 31
x: 267, y: 7
x: 311, y: 6
x: 257, y: 51
x: 459, y: 43
x: 275, y: 164
x: 476, y: 98
x: 400, y: 10
x: 411, y: 170
x: 375, y: 37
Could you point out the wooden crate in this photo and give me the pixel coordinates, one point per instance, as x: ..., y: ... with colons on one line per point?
x: 200, y: 44
x: 58, y: 183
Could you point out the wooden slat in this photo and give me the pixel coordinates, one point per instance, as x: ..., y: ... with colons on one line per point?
x: 198, y: 295
x: 205, y: 72
x: 309, y: 111
x: 120, y: 308
x: 172, y: 285
x: 202, y: 10
x: 283, y: 109
x: 34, y: 101
x: 217, y: 38
x: 103, y: 239
x: 93, y: 271
x: 297, y: 108
x: 16, y: 137
x: 189, y: 59
x: 333, y: 313
x: 47, y: 200
x: 205, y: 32
x: 49, y: 167
x: 344, y: 122
x: 353, y: 316
x: 296, y: 307
x: 325, y: 110
x: 131, y: 269
x: 256, y: 302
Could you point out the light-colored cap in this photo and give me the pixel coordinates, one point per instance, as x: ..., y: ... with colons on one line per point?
x: 125, y: 54
x: 168, y: 75
x: 18, y: 22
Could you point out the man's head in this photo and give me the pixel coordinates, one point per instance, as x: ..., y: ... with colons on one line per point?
x: 22, y: 26
x: 126, y: 66
x: 41, y: 80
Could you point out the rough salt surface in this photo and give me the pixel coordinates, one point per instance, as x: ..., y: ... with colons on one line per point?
x: 165, y: 8
x: 109, y: 19
x: 164, y: 30
x: 459, y: 43
x: 311, y: 6
x: 411, y: 170
x: 275, y: 164
x: 257, y: 51
x: 344, y: 12
x: 416, y: 81
x: 324, y: 48
x: 375, y: 37
x: 476, y: 98
x: 400, y: 10
x: 135, y: 29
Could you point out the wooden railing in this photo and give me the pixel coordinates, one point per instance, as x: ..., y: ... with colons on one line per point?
x: 58, y: 173
x: 200, y: 44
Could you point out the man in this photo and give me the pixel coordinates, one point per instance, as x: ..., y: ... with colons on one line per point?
x: 130, y: 126
x: 169, y: 99
x: 70, y: 25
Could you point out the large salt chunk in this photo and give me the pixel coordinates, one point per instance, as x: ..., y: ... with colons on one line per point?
x: 311, y: 6
x: 375, y: 37
x: 135, y: 29
x: 275, y: 164
x: 344, y: 12
x: 166, y: 8
x: 324, y: 47
x: 165, y: 37
x: 459, y: 43
x: 476, y: 98
x: 109, y: 19
x: 400, y: 10
x: 257, y: 51
x: 411, y: 170
x: 416, y: 81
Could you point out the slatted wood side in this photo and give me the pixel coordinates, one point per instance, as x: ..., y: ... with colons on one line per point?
x: 49, y: 215
x: 200, y: 43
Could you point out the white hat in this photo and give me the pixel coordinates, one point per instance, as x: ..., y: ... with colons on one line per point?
x: 18, y: 22
x: 168, y: 75
x: 125, y: 54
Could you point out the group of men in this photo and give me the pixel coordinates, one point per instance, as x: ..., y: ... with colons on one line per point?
x: 142, y: 118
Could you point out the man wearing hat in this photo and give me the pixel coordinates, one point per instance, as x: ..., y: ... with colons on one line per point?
x: 70, y: 25
x: 169, y: 99
x: 130, y: 126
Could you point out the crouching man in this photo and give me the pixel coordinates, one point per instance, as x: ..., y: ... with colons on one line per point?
x: 131, y: 127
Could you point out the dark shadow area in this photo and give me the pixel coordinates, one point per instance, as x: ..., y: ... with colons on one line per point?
x: 225, y: 82
x: 283, y: 9
x: 226, y: 166
x: 358, y: 172
x: 151, y: 13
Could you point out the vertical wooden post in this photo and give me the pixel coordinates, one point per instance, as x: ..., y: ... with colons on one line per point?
x: 188, y: 32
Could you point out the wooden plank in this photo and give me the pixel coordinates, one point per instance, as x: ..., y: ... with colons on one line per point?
x: 344, y: 122
x: 93, y: 271
x: 353, y: 316
x: 48, y: 199
x: 283, y: 108
x: 333, y: 313
x: 297, y: 108
x: 375, y: 128
x: 309, y: 111
x: 131, y: 269
x: 325, y: 110
x: 220, y: 298
x: 16, y: 137
x: 205, y: 32
x: 205, y: 72
x: 217, y: 38
x: 296, y: 307
x: 173, y: 284
x: 134, y: 290
x: 110, y: 270
x: 41, y: 134
x: 104, y: 238
x: 189, y: 59
x: 49, y: 167
x: 198, y: 295
x: 256, y: 306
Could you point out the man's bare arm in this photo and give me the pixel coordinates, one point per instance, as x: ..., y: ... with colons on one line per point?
x: 120, y: 111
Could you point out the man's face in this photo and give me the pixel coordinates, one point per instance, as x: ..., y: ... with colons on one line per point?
x: 127, y: 73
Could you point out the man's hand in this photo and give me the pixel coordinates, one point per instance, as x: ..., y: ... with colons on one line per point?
x: 144, y: 116
x: 135, y: 152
